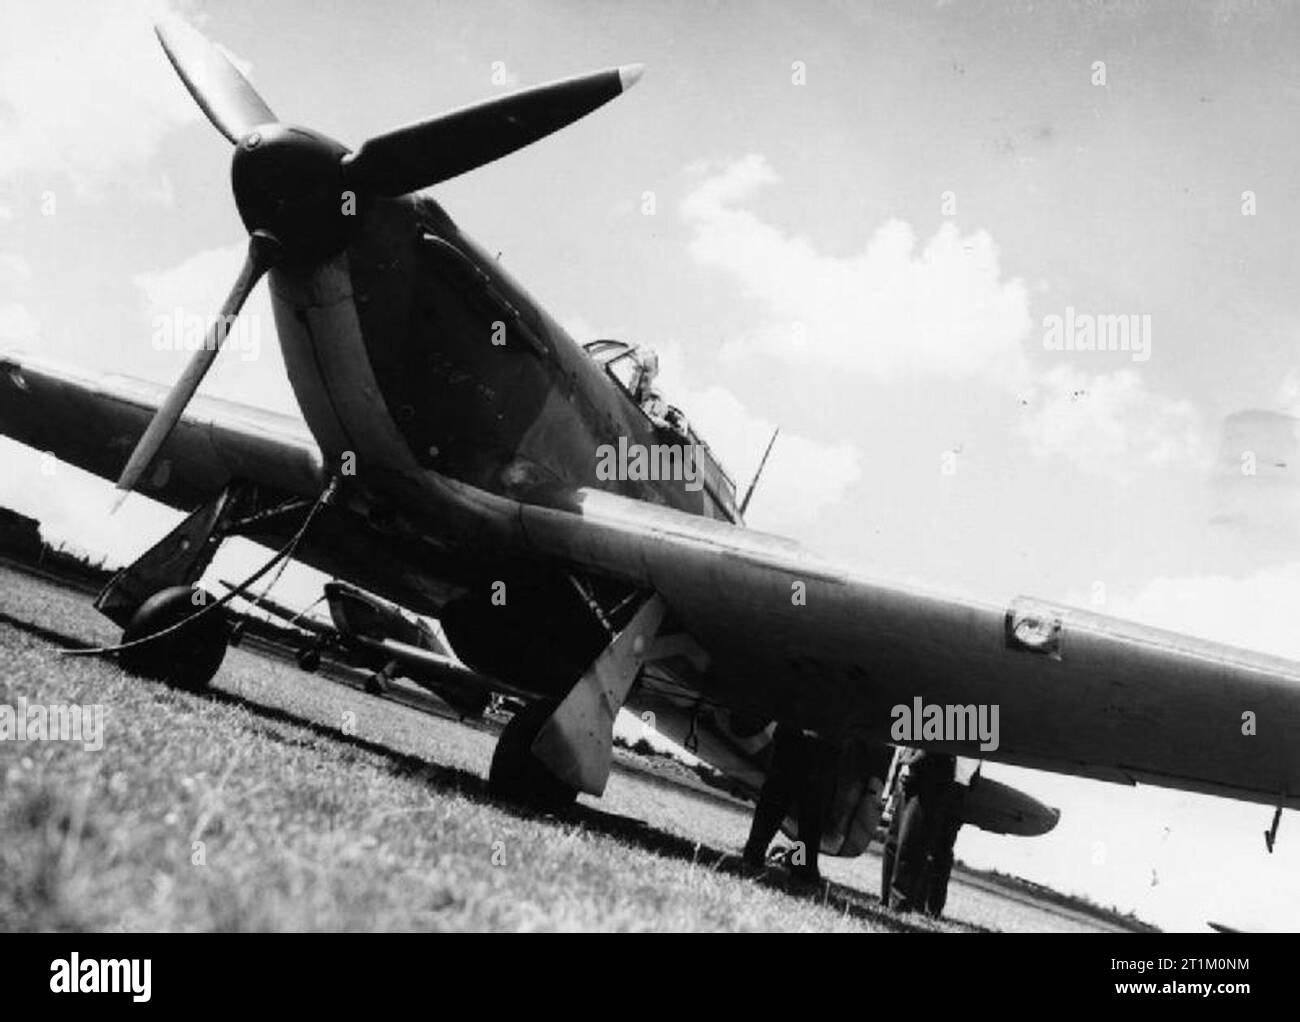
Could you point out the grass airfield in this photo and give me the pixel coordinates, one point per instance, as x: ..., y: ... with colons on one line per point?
x: 288, y: 801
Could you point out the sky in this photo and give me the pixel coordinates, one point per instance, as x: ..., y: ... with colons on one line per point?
x: 853, y: 221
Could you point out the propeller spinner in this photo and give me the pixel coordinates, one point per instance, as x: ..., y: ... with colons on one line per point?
x: 290, y: 182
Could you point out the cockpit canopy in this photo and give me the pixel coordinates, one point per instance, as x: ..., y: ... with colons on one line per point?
x: 634, y: 368
x: 625, y: 363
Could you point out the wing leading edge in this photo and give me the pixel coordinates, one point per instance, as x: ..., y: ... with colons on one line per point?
x: 94, y: 421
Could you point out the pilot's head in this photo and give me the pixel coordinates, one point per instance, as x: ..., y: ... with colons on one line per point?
x: 649, y: 359
x: 647, y: 369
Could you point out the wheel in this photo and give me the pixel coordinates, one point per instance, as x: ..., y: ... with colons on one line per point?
x: 309, y: 659
x: 236, y: 635
x: 186, y: 659
x: 516, y: 775
x: 911, y: 854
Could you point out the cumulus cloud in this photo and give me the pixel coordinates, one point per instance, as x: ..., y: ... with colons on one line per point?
x: 893, y: 306
x: 1256, y: 611
x: 1111, y: 424
x: 803, y: 477
x: 942, y: 308
x: 84, y: 90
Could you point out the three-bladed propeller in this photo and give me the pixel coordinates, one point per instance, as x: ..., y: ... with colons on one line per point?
x: 291, y: 183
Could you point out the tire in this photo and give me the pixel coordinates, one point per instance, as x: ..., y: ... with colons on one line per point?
x: 309, y: 659
x: 921, y: 819
x: 187, y: 659
x: 516, y: 775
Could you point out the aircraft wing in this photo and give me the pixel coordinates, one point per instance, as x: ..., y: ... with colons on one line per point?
x: 293, y: 618
x: 1076, y: 692
x: 464, y: 690
x: 94, y: 421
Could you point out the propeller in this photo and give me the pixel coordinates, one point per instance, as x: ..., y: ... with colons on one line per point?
x: 290, y: 182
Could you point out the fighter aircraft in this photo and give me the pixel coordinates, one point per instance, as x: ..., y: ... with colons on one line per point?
x: 373, y: 634
x: 452, y: 458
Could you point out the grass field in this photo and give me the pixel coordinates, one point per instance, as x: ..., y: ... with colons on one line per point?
x: 256, y: 809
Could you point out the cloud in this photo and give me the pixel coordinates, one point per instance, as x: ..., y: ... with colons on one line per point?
x: 802, y: 478
x: 1255, y: 612
x: 943, y: 308
x: 84, y: 90
x: 1110, y: 424
x: 891, y: 307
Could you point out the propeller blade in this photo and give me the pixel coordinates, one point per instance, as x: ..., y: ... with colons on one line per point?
x: 220, y: 89
x: 424, y: 154
x: 263, y: 253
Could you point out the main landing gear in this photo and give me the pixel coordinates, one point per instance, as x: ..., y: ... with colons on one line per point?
x: 172, y: 630
x: 550, y: 751
x: 187, y: 658
x: 516, y: 775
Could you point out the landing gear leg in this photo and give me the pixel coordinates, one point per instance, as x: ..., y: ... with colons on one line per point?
x: 548, y: 752
x: 158, y: 592
x: 377, y: 683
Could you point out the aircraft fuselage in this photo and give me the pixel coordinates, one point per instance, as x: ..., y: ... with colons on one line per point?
x: 415, y: 351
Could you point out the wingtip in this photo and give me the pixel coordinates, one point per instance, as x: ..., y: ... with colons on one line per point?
x: 629, y: 75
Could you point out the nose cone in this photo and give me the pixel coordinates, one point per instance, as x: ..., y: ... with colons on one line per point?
x: 629, y: 75
x: 289, y: 181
